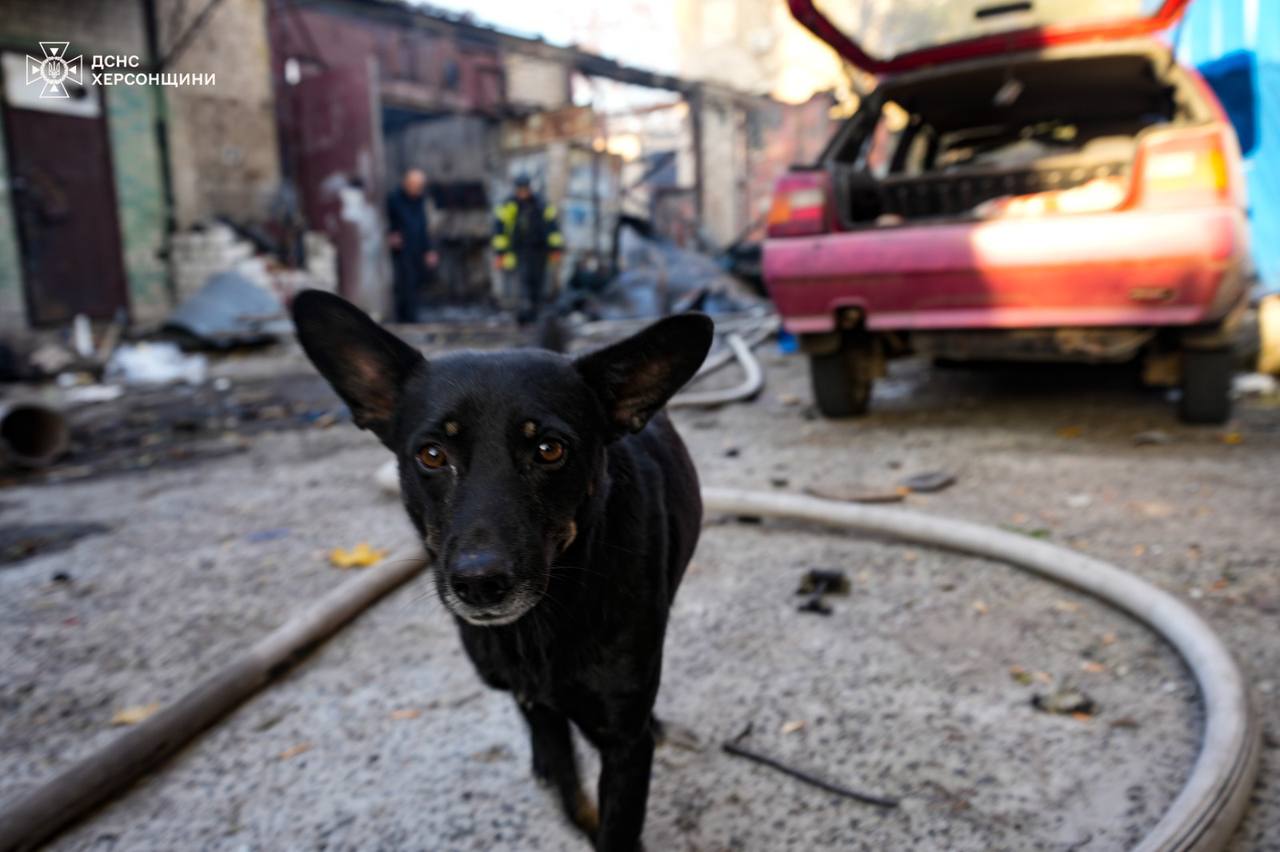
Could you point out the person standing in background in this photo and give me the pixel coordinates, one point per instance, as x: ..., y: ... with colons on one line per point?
x: 409, y: 236
x: 526, y: 234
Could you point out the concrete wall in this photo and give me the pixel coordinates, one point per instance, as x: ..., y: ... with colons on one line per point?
x: 723, y: 146
x: 99, y: 28
x: 223, y: 150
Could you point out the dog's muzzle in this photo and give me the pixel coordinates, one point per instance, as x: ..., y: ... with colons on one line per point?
x: 481, y: 588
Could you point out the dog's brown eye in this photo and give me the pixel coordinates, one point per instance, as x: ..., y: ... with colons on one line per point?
x: 550, y: 452
x: 432, y: 456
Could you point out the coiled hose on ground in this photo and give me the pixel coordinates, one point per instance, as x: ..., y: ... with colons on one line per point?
x: 1215, y: 795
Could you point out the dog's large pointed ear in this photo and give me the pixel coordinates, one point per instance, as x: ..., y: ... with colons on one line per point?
x: 635, y: 377
x: 366, y: 364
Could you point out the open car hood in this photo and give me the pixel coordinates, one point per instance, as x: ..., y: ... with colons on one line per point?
x: 891, y: 36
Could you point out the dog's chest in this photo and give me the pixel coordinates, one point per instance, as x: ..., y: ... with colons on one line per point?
x: 535, y: 665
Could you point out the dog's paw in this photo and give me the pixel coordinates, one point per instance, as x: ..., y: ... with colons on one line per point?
x: 585, y: 815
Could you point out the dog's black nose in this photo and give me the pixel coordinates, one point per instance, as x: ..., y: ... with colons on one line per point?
x: 481, y: 578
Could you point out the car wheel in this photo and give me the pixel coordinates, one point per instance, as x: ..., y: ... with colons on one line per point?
x: 842, y: 381
x: 1206, y: 385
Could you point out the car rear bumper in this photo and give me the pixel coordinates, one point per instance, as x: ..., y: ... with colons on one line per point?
x: 1129, y: 268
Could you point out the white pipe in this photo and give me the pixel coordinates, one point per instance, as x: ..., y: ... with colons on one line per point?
x: 753, y: 337
x: 1215, y: 795
x: 752, y: 382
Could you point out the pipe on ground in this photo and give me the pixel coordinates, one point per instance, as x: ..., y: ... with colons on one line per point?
x: 1201, y: 818
x: 32, y: 434
x: 753, y: 338
x: 1215, y: 795
x: 752, y: 381
x: 38, y: 815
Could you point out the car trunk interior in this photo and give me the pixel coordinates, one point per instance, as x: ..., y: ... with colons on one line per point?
x: 1021, y: 136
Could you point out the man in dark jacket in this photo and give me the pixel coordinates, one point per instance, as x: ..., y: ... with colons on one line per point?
x: 409, y: 236
x: 526, y: 233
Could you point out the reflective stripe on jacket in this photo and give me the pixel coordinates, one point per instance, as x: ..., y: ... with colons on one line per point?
x: 505, y: 218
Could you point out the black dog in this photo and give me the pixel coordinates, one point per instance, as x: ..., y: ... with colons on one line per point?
x: 559, y: 508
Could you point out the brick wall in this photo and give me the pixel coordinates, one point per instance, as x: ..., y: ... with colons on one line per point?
x: 223, y: 151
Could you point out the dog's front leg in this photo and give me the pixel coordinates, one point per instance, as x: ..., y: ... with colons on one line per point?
x: 555, y: 763
x: 624, y: 791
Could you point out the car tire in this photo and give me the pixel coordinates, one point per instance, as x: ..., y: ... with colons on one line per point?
x: 1206, y: 385
x: 842, y: 382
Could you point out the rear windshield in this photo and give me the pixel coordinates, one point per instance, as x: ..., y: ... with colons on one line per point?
x: 888, y: 28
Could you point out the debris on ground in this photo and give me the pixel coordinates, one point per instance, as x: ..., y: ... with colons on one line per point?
x: 23, y: 541
x: 32, y: 435
x: 857, y: 495
x: 929, y: 482
x: 230, y: 310
x: 735, y: 748
x: 135, y: 715
x: 260, y: 536
x: 294, y: 751
x: 360, y: 556
x: 1151, y: 438
x: 50, y: 359
x: 1254, y: 384
x: 156, y: 363
x: 1065, y: 701
x: 405, y: 714
x: 816, y: 584
x: 88, y: 394
x: 655, y: 277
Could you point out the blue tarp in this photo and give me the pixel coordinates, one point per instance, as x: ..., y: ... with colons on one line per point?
x: 1236, y: 46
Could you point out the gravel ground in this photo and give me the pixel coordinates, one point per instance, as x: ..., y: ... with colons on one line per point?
x: 384, y: 739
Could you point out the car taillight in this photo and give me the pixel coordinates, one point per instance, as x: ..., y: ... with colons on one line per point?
x: 1182, y: 169
x: 799, y: 206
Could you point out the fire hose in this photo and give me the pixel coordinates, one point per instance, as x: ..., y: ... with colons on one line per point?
x: 1215, y: 795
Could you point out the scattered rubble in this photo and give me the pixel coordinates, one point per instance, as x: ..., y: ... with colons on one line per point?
x: 816, y: 585
x: 155, y: 364
x: 1065, y: 701
x: 929, y: 482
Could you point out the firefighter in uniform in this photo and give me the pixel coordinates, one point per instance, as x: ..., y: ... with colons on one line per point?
x: 526, y: 234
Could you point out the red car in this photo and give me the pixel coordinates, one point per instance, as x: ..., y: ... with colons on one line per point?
x: 1041, y: 182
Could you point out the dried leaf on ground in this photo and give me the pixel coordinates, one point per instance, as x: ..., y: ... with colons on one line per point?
x: 360, y: 556
x: 406, y: 713
x: 294, y: 751
x: 134, y: 715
